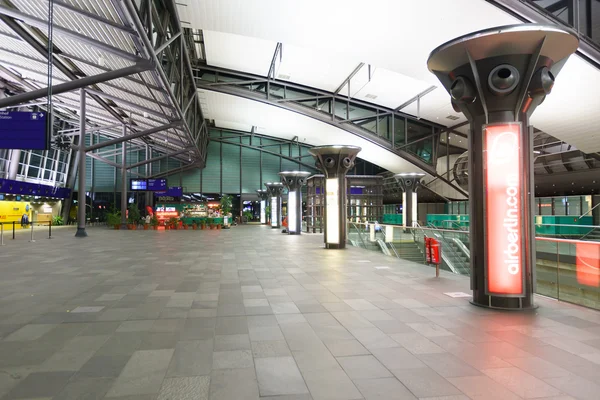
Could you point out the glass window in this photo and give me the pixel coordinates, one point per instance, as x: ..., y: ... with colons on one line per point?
x: 560, y: 205
x: 574, y: 207
x: 546, y: 205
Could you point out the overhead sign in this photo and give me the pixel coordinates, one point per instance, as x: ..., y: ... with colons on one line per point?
x: 157, y: 184
x: 503, y: 209
x: 138, y: 184
x: 173, y: 191
x: 23, y: 130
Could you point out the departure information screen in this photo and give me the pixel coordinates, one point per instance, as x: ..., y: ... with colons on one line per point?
x: 138, y: 184
x: 157, y: 184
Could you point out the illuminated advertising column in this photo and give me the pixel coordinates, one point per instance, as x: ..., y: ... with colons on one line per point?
x: 497, y: 78
x: 275, y: 190
x: 335, y: 161
x: 410, y: 183
x: 263, y: 196
x: 293, y: 181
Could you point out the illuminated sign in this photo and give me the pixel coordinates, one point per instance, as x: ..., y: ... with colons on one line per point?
x: 138, y: 184
x: 404, y: 209
x: 503, y: 209
x: 587, y: 257
x: 292, y: 212
x: 332, y: 191
x: 414, y: 209
x: 274, y: 212
x: 263, y: 217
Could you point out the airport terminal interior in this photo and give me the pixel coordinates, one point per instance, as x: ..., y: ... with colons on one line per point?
x: 299, y: 200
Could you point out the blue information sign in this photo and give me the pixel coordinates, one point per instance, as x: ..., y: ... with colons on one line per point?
x: 157, y: 184
x: 23, y: 130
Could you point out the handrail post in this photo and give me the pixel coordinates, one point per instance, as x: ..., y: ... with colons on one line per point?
x: 31, y: 240
x: 13, y: 230
x: 1, y: 233
x: 49, y: 229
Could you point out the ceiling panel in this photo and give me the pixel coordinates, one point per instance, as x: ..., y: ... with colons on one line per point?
x: 240, y: 53
x: 390, y: 89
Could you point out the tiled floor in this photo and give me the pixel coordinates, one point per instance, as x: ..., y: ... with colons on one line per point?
x: 249, y: 313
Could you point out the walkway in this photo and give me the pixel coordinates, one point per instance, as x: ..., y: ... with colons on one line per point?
x: 250, y: 313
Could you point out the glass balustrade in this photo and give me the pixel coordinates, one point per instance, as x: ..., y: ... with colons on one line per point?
x: 566, y: 269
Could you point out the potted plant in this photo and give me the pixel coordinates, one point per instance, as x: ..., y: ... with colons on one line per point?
x: 185, y: 226
x: 194, y: 225
x: 211, y: 223
x: 154, y: 222
x: 57, y: 220
x: 133, y: 217
x: 173, y: 222
x: 114, y: 219
x: 203, y: 224
x: 226, y: 205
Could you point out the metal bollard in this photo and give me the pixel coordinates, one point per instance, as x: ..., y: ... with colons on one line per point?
x: 31, y: 240
x: 1, y: 234
x: 13, y: 230
x: 50, y: 230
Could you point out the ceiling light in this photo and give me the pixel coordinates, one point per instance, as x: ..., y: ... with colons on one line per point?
x: 537, y: 152
x: 371, y: 96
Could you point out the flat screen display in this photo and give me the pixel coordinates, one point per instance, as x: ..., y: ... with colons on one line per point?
x: 138, y: 184
x: 23, y: 130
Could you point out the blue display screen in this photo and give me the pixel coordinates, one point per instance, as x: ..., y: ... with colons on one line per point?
x: 23, y: 130
x: 157, y: 184
x: 138, y: 184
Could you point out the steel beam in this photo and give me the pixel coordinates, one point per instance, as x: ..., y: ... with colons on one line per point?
x: 151, y: 160
x: 94, y: 17
x: 133, y: 136
x: 358, y: 68
x: 167, y: 43
x: 117, y: 99
x: 416, y: 98
x: 76, y: 84
x: 41, y: 24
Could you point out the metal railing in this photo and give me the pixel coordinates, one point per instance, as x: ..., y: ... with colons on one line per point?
x: 29, y: 226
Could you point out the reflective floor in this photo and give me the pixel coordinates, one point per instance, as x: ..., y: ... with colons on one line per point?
x: 250, y: 313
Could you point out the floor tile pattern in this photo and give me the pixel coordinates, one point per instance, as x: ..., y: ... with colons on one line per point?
x: 250, y: 313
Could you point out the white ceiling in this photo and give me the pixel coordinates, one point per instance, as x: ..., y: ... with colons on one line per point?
x: 282, y: 123
x: 324, y: 41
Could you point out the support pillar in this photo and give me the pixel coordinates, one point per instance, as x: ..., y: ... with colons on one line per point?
x: 124, y: 180
x: 264, y: 197
x: 410, y: 183
x: 497, y: 77
x: 13, y: 165
x: 294, y: 180
x: 81, y: 199
x: 275, y: 190
x: 335, y: 161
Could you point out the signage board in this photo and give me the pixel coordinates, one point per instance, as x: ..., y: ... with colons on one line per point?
x: 174, y: 191
x: 157, y: 185
x: 24, y: 130
x: 503, y: 209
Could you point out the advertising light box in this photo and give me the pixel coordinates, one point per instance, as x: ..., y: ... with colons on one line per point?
x: 503, y: 209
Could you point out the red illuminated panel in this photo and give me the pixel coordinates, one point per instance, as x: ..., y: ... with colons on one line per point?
x: 503, y: 209
x: 587, y: 257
